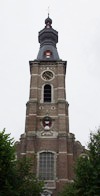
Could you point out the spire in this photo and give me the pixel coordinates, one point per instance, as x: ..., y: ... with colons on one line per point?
x: 48, y: 38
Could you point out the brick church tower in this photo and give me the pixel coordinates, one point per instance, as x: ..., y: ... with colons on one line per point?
x: 47, y: 135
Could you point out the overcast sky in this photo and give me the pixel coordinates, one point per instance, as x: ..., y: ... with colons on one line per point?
x: 78, y: 24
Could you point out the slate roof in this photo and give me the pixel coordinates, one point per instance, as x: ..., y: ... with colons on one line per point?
x: 48, y: 38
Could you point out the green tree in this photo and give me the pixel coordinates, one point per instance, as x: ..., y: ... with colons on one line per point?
x: 7, y: 155
x: 87, y: 171
x: 69, y: 190
x: 26, y: 182
x: 16, y: 176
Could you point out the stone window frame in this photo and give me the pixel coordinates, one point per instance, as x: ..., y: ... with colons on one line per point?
x: 38, y: 164
x: 52, y: 93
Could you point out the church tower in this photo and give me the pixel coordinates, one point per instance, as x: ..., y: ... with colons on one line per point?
x: 47, y: 136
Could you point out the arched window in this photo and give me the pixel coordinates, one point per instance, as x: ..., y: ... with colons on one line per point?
x: 46, y: 166
x: 47, y: 93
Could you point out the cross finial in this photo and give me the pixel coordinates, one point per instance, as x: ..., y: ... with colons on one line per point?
x: 48, y: 11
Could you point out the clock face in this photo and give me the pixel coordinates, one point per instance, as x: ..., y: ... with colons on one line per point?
x: 47, y: 75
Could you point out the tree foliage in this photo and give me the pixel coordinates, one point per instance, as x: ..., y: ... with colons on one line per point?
x: 7, y: 155
x: 69, y: 190
x: 16, y: 176
x: 27, y: 183
x: 87, y: 171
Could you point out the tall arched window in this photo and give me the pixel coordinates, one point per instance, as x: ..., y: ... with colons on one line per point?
x: 47, y: 93
x: 46, y: 166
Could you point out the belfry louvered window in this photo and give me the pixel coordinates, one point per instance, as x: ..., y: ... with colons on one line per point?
x: 47, y: 93
x: 46, y: 166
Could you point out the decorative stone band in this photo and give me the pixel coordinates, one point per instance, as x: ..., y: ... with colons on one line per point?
x: 64, y: 180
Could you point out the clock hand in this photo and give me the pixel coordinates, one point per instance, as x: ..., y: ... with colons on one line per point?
x: 49, y: 75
